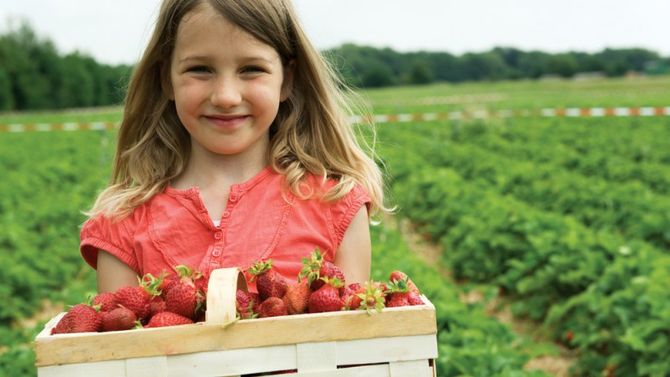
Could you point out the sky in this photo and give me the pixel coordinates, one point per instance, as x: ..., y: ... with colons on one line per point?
x: 116, y: 31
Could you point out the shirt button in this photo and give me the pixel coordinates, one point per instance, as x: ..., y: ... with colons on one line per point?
x: 233, y: 198
x: 218, y: 235
x: 217, y: 251
x: 226, y: 214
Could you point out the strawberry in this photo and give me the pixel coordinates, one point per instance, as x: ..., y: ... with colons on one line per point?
x: 245, y: 303
x: 297, y: 297
x: 137, y: 299
x: 182, y: 299
x: 182, y: 296
x: 316, y: 268
x: 272, y: 307
x: 156, y: 305
x: 167, y: 282
x: 105, y: 301
x: 164, y: 319
x: 201, y: 281
x: 350, y: 296
x: 399, y: 275
x: 327, y: 298
x: 368, y: 297
x: 401, y: 294
x: 268, y: 282
x: 118, y: 319
x: 80, y: 318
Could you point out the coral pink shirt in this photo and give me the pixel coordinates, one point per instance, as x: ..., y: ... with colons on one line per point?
x: 262, y: 220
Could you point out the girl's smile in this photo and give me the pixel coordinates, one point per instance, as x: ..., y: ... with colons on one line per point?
x: 228, y: 122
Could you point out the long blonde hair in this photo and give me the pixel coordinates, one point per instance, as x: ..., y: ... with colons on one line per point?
x: 310, y: 135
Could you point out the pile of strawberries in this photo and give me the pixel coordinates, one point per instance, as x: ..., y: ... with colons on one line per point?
x: 180, y: 299
x: 167, y: 300
x: 320, y: 288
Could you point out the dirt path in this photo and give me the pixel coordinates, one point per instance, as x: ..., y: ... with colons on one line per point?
x: 430, y: 252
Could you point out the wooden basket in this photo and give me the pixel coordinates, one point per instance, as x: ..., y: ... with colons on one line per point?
x: 396, y: 342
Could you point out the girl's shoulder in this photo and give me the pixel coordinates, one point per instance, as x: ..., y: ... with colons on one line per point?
x: 137, y: 218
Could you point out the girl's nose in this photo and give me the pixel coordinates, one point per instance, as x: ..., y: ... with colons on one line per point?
x: 226, y: 94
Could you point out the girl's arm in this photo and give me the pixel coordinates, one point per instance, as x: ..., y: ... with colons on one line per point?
x: 113, y: 274
x: 353, y: 256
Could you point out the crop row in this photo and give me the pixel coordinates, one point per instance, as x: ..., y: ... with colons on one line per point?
x: 629, y: 207
x: 610, y: 149
x: 557, y: 268
x: 48, y: 179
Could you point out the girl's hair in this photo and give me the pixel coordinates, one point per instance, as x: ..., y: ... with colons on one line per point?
x: 311, y: 133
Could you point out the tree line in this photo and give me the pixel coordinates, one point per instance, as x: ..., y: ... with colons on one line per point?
x: 363, y: 66
x: 34, y: 75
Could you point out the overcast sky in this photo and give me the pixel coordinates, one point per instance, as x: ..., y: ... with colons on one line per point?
x: 115, y: 31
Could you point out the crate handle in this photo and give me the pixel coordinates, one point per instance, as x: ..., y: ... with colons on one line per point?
x: 221, y: 295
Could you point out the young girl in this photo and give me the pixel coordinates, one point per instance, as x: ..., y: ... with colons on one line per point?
x: 234, y: 147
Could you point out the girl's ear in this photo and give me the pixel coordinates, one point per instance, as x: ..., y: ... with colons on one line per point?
x: 287, y: 84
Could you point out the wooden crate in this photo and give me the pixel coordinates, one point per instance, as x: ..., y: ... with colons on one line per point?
x: 396, y: 342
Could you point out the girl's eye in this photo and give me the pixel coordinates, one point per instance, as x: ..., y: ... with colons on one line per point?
x: 198, y: 69
x: 253, y: 69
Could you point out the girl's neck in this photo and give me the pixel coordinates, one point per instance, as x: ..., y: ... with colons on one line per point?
x: 209, y: 171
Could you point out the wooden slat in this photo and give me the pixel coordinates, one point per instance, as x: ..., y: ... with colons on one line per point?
x: 419, y: 368
x: 147, y: 366
x: 201, y: 337
x: 379, y: 350
x: 116, y: 368
x: 362, y: 371
x: 233, y: 362
x: 315, y: 357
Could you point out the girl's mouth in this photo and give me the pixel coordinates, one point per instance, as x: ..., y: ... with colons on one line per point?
x: 227, y: 121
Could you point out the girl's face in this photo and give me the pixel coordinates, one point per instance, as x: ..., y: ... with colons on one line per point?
x: 226, y: 84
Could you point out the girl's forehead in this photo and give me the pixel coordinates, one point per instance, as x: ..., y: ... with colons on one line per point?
x: 204, y: 31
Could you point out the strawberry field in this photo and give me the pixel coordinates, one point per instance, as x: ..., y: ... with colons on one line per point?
x: 567, y: 220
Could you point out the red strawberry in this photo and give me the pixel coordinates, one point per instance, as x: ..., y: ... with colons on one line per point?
x: 315, y: 268
x: 156, y: 305
x: 118, y: 319
x: 182, y: 299
x: 350, y: 295
x: 136, y: 299
x: 167, y: 282
x: 164, y: 319
x: 182, y: 296
x: 369, y: 297
x: 330, y: 271
x: 327, y: 298
x: 297, y: 297
x: 80, y: 318
x: 201, y: 281
x: 399, y: 275
x: 272, y: 307
x: 245, y: 303
x: 105, y: 301
x: 401, y: 295
x: 268, y: 282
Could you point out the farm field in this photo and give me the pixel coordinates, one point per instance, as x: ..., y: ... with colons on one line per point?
x: 566, y: 219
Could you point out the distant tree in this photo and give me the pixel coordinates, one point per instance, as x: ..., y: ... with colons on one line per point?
x: 376, y: 76
x: 484, y: 66
x: 420, y: 73
x: 34, y: 76
x: 564, y: 65
x: 6, y: 99
x: 618, y: 62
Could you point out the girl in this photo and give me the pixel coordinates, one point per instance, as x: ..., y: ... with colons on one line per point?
x: 234, y: 147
